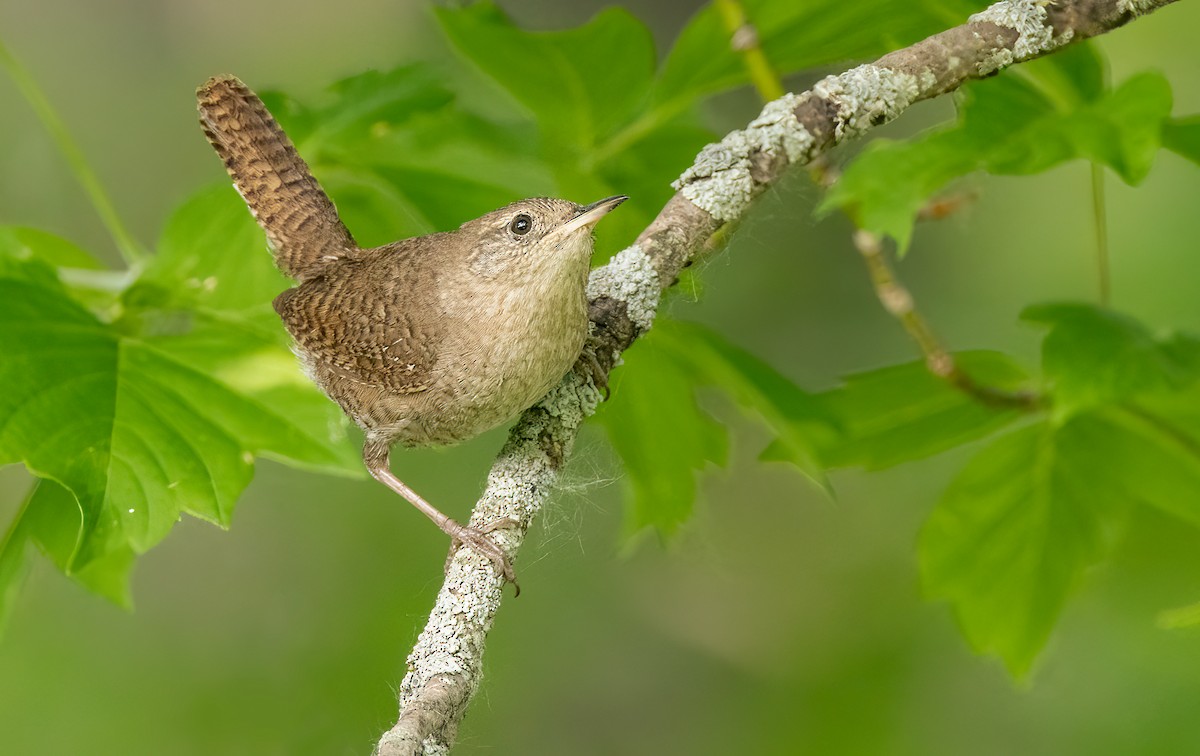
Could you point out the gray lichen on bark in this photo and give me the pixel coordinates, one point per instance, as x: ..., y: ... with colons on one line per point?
x: 722, y: 179
x: 1028, y: 18
x: 869, y: 96
x: 629, y: 277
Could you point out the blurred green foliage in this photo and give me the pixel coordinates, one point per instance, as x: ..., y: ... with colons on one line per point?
x: 162, y: 383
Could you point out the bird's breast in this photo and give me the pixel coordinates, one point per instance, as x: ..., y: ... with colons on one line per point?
x: 514, y: 347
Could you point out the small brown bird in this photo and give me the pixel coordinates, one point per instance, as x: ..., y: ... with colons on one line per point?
x: 424, y: 341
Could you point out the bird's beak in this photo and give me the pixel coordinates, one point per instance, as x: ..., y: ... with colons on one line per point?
x: 589, y: 215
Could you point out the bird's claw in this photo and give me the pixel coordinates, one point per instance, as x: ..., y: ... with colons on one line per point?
x: 592, y: 369
x: 477, y: 540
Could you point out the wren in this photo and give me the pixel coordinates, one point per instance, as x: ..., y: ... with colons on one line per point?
x: 425, y: 341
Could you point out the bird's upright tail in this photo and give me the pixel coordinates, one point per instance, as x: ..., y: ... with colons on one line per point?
x: 301, y: 222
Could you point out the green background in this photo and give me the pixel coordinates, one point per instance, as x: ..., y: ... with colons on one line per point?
x: 777, y: 622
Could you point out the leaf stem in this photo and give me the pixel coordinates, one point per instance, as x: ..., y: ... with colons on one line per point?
x: 898, y: 302
x: 744, y: 40
x: 1100, y: 218
x: 130, y: 250
x: 632, y: 133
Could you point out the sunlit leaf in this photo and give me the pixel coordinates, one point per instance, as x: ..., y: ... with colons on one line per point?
x: 254, y: 363
x: 135, y: 434
x: 212, y: 255
x: 205, y: 301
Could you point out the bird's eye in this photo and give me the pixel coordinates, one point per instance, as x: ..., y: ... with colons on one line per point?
x: 521, y: 224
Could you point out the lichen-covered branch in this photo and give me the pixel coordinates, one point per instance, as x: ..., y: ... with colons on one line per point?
x: 445, y: 667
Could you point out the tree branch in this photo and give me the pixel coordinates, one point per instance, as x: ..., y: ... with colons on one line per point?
x: 445, y: 667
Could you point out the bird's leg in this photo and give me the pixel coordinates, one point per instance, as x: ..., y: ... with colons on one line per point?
x: 375, y: 456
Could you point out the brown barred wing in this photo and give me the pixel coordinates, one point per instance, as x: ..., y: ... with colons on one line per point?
x: 359, y: 326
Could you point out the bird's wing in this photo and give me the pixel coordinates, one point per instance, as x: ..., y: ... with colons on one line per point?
x: 358, y: 320
x: 300, y: 220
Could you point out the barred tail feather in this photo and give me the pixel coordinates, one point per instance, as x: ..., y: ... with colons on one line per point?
x: 301, y: 222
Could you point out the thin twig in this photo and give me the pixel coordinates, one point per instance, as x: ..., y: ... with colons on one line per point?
x: 744, y: 40
x: 898, y: 302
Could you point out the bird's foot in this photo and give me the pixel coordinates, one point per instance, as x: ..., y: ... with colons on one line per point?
x: 591, y: 368
x: 476, y: 539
